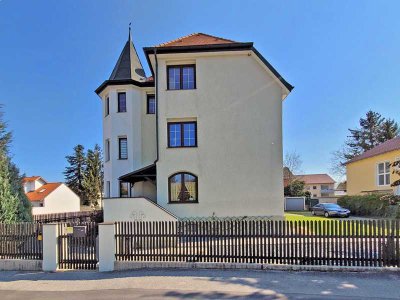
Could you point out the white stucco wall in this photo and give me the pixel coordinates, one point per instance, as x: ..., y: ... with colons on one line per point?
x: 62, y: 199
x: 135, y: 125
x: 134, y: 209
x: 238, y: 161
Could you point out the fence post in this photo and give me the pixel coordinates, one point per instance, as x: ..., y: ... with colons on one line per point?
x: 50, y: 247
x: 106, y: 247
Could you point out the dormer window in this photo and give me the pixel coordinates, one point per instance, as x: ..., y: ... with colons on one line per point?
x: 181, y: 77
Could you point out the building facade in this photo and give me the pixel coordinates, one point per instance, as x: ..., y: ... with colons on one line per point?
x: 203, y: 135
x: 372, y: 171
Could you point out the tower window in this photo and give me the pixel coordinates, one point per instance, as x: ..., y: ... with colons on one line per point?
x: 123, y: 148
x: 121, y: 102
x: 151, y: 104
x: 107, y: 106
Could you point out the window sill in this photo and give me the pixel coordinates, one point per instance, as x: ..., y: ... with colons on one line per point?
x: 168, y: 90
x: 121, y: 112
x: 180, y: 147
x: 122, y: 159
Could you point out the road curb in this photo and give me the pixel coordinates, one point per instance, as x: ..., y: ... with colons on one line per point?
x: 130, y: 265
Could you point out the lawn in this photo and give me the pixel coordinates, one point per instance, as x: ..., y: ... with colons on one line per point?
x: 341, y: 226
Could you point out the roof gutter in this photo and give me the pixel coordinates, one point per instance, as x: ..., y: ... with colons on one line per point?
x: 215, y: 48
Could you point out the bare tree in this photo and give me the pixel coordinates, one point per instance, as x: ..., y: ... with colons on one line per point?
x: 292, y: 165
x: 338, y: 166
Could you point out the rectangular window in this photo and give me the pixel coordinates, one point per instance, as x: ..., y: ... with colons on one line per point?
x: 107, y: 106
x: 107, y: 154
x: 181, y: 77
x: 123, y: 189
x: 151, y: 104
x: 182, y: 134
x: 108, y: 189
x: 383, y: 173
x: 123, y: 148
x: 121, y: 102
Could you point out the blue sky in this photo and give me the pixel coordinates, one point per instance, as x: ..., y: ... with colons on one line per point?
x: 341, y: 56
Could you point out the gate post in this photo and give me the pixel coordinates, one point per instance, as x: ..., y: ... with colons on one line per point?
x: 50, y: 247
x: 106, y: 247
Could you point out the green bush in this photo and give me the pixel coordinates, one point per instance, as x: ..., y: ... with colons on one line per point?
x: 369, y: 205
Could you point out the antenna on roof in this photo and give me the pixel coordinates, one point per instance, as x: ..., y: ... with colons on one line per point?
x: 129, y: 38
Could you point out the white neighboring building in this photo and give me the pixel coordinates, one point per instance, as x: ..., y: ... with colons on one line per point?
x: 50, y: 197
x: 201, y: 137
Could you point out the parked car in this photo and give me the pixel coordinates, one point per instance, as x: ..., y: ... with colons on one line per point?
x: 330, y: 210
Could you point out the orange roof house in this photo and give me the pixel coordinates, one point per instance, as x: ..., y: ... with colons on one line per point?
x: 49, y: 197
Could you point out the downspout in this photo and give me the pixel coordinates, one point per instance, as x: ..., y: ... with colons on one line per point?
x: 156, y: 96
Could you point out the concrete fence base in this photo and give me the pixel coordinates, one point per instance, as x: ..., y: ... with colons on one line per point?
x: 20, y: 265
x: 131, y: 265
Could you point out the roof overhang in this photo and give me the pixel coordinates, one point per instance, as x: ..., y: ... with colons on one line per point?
x: 148, y: 173
x: 123, y: 82
x: 218, y: 48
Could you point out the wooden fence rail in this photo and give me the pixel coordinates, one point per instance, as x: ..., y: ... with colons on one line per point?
x: 21, y: 241
x: 80, y: 216
x: 338, y: 243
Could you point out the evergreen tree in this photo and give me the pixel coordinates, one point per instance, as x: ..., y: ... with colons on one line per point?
x: 368, y: 135
x: 14, y: 205
x: 389, y: 130
x: 9, y: 202
x: 75, y: 171
x: 93, y: 176
x: 25, y: 206
x: 373, y: 130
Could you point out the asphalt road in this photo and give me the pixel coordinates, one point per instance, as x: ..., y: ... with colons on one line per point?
x: 199, y: 284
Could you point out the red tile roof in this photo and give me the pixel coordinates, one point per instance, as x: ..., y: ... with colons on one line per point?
x: 196, y: 39
x: 31, y: 179
x: 43, y: 191
x: 390, y: 145
x: 315, y: 178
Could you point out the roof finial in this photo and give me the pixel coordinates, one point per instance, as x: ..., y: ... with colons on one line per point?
x: 129, y: 38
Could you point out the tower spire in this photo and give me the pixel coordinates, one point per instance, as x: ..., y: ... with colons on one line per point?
x: 129, y: 37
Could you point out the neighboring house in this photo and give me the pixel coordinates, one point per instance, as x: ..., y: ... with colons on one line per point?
x: 319, y: 185
x: 202, y: 136
x: 50, y: 197
x: 371, y: 172
x: 341, y: 189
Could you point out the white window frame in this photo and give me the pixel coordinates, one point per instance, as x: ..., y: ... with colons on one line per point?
x: 384, y: 173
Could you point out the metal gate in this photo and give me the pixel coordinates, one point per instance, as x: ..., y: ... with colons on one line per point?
x: 77, y: 246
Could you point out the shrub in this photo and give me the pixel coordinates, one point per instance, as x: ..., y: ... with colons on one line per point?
x: 368, y: 205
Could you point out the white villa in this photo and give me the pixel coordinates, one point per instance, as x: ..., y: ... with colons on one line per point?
x: 200, y: 137
x: 49, y: 197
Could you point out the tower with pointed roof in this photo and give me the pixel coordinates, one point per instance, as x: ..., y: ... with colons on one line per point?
x: 126, y: 126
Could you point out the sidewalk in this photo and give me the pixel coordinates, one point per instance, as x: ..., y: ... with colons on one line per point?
x: 198, y: 284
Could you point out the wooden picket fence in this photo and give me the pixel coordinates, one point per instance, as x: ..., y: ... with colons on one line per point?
x: 80, y: 216
x: 21, y: 241
x: 339, y: 243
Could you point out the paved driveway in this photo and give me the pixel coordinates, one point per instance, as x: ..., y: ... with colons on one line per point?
x: 199, y: 284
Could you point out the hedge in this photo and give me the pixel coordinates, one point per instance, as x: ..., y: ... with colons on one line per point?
x: 369, y: 205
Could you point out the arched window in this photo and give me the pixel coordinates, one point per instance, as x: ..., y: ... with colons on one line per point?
x: 183, y: 188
